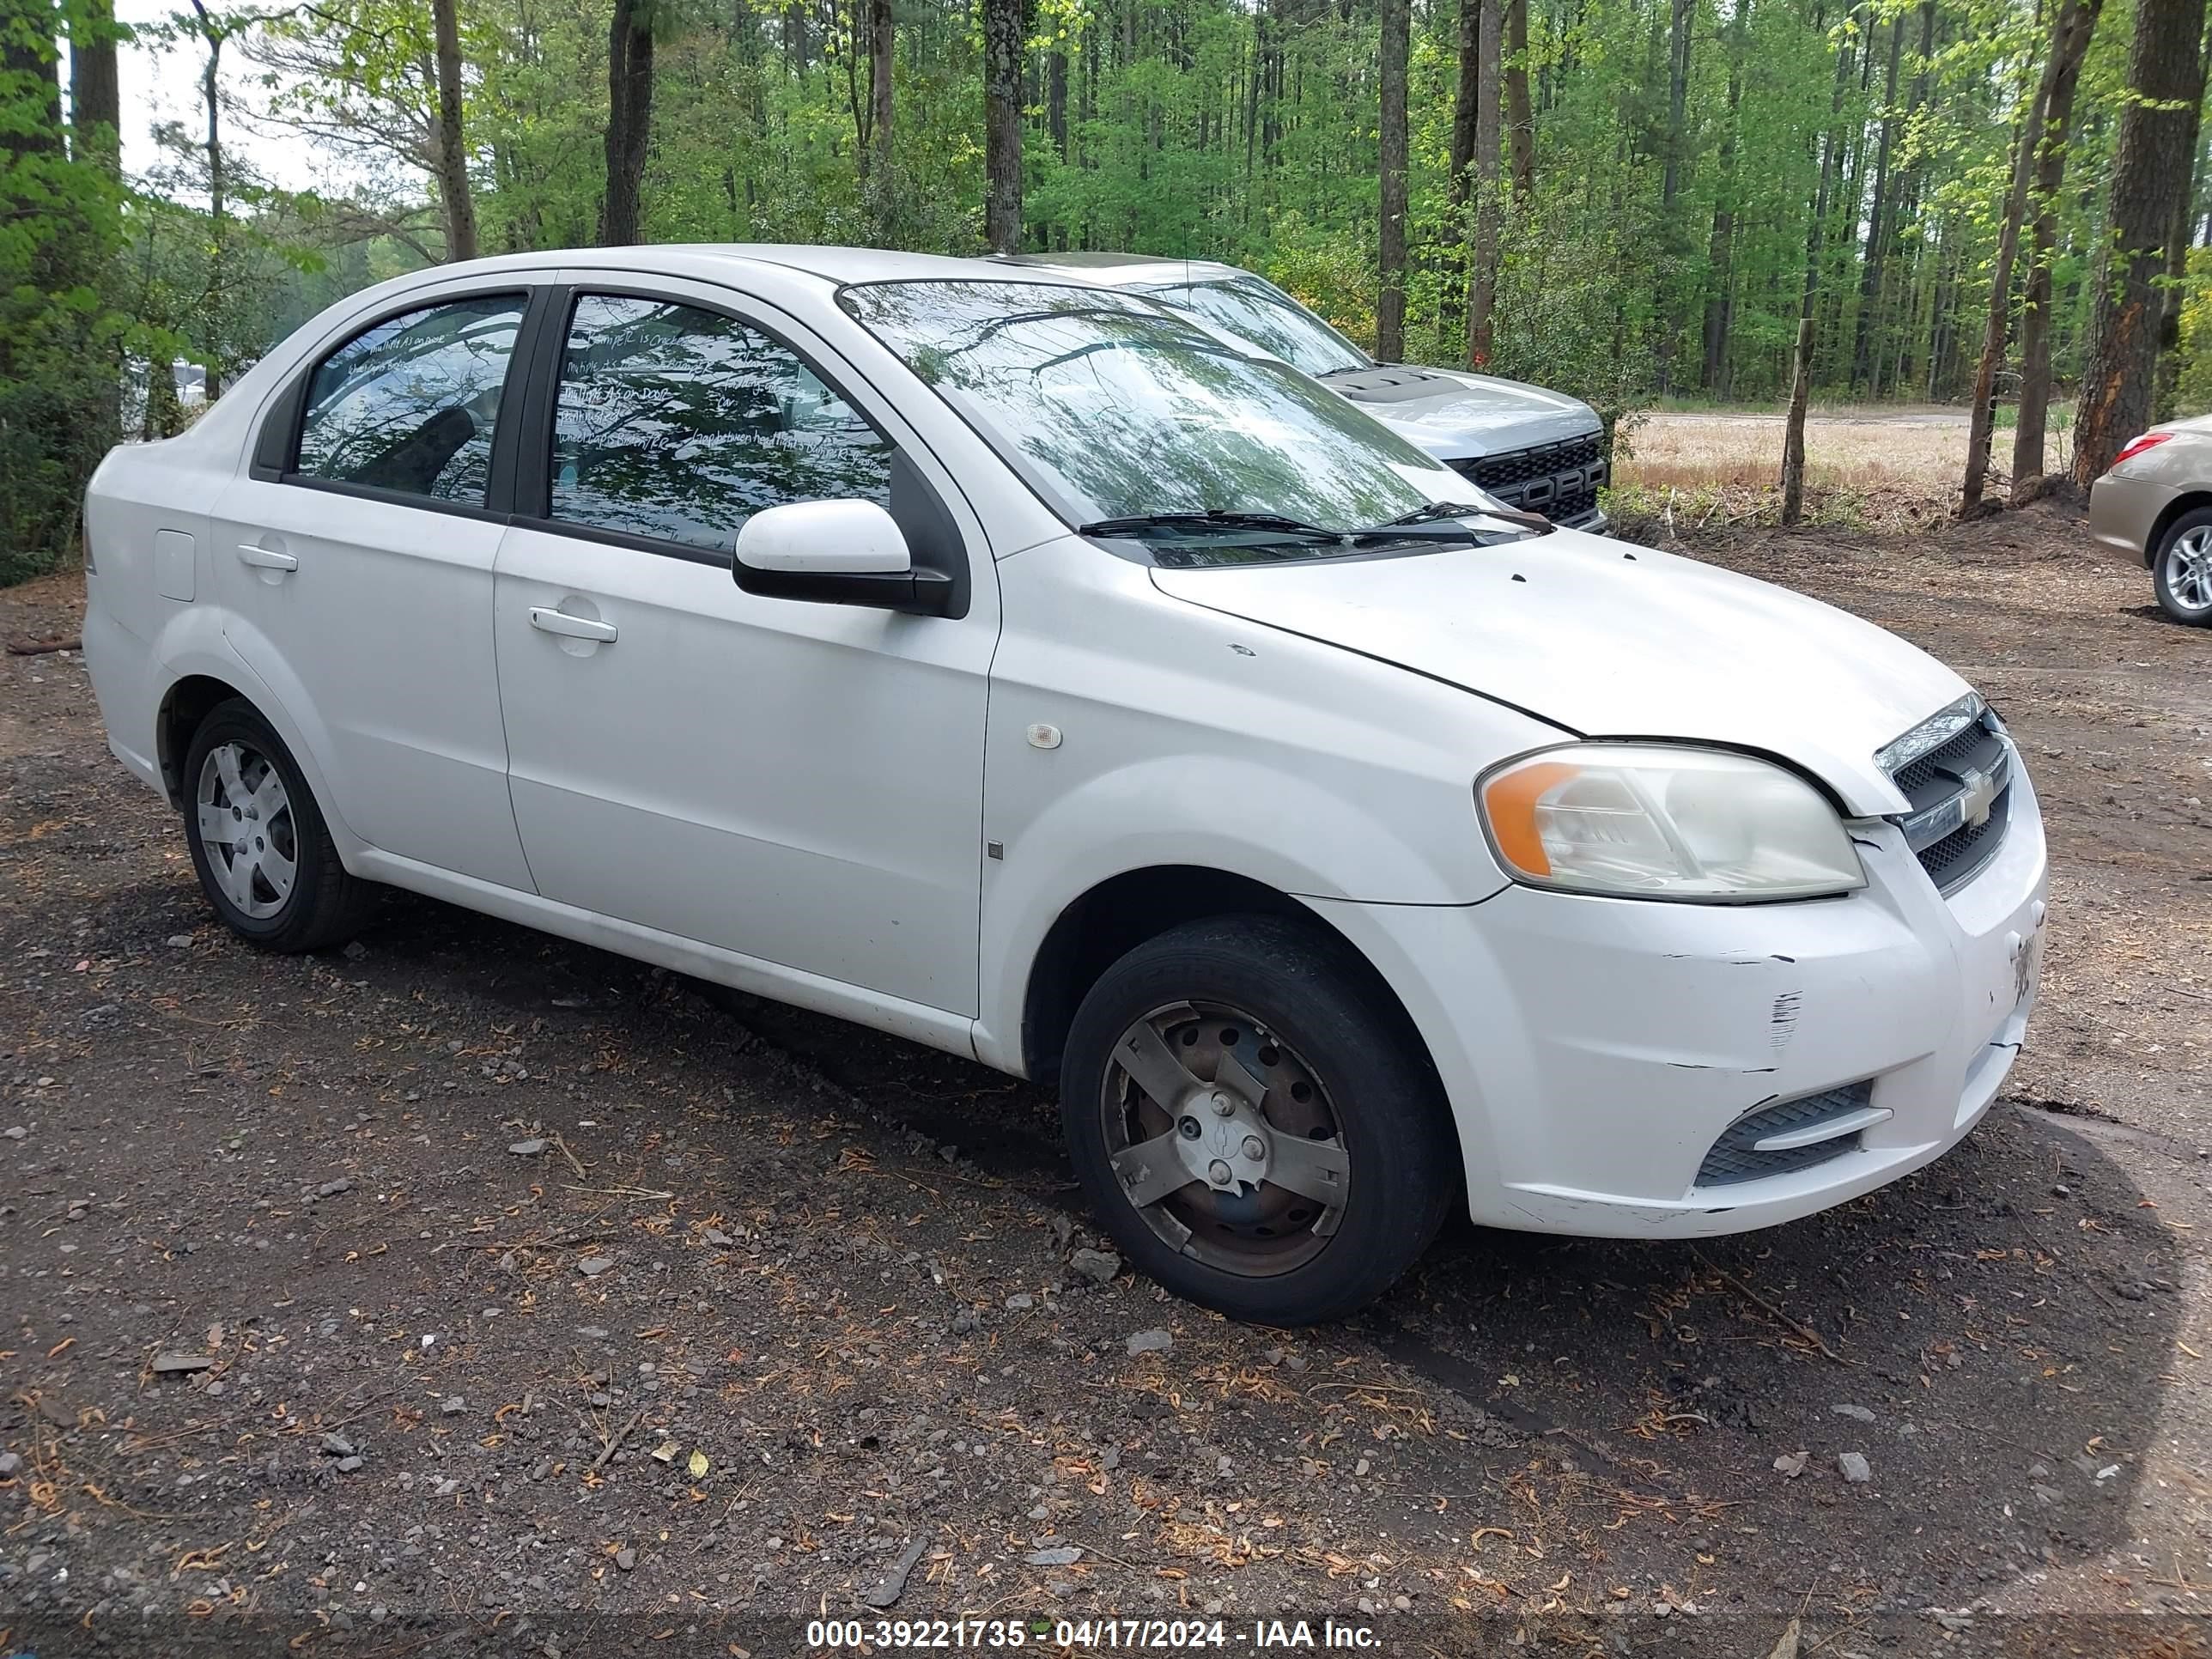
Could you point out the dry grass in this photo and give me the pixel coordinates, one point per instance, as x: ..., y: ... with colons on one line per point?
x: 1918, y: 452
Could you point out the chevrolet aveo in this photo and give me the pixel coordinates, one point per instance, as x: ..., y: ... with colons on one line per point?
x: 1004, y: 663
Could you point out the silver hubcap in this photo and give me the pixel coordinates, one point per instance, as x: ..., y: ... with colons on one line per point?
x: 246, y: 827
x: 2189, y: 569
x: 1224, y: 1139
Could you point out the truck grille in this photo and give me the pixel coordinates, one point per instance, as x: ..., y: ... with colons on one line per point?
x: 1956, y: 770
x: 1735, y: 1156
x: 1558, y: 480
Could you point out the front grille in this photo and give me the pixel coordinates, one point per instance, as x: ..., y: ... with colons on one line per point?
x: 1960, y: 796
x: 1733, y: 1157
x: 1558, y: 480
x: 1916, y: 775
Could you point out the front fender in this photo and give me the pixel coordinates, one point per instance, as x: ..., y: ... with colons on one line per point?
x: 1283, y: 831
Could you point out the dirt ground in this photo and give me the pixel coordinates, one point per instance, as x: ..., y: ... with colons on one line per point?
x: 472, y: 1291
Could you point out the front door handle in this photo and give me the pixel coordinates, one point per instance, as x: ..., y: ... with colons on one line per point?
x: 547, y: 620
x: 263, y: 558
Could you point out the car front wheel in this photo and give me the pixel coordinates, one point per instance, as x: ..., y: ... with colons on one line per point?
x: 2182, y: 571
x: 1255, y: 1122
x: 258, y: 841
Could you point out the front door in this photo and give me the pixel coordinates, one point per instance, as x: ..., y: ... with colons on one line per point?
x: 355, y: 580
x: 800, y: 783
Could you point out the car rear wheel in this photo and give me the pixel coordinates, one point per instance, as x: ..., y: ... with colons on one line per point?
x: 258, y: 841
x: 1254, y: 1121
x: 2182, y: 571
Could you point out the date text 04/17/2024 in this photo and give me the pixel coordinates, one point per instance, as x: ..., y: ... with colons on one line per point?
x: 1068, y: 1635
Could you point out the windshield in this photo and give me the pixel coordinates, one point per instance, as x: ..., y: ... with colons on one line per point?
x: 1113, y: 409
x: 1265, y: 318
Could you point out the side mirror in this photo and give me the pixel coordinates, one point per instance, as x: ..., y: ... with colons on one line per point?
x: 849, y: 552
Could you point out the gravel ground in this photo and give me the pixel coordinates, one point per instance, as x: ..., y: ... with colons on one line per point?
x: 469, y: 1290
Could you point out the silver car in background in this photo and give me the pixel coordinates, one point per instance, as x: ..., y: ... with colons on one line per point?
x: 1540, y: 450
x: 2156, y: 504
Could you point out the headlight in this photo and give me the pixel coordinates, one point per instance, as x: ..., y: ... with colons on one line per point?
x: 1647, y: 821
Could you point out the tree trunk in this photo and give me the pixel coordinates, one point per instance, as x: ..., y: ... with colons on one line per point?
x: 1390, y: 302
x: 218, y: 187
x: 1678, y: 93
x: 629, y: 121
x: 1793, y: 430
x: 1003, y: 32
x: 2177, y: 269
x: 1908, y: 254
x: 1482, y: 283
x: 1823, y: 191
x: 95, y: 92
x: 1522, y: 139
x: 1983, y: 415
x: 883, y: 42
x: 1252, y: 106
x: 1864, y: 341
x: 1720, y: 247
x: 448, y: 142
x: 2150, y: 180
x: 1670, y: 187
x: 1845, y: 204
x: 1460, y: 187
x: 2069, y: 43
x: 797, y: 51
x: 1055, y: 103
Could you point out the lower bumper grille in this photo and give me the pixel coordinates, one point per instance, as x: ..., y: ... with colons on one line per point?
x: 1735, y: 1156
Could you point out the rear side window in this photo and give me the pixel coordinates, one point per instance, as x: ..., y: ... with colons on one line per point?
x: 679, y: 423
x: 410, y: 404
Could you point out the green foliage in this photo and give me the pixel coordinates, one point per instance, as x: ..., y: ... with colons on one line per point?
x: 1240, y: 130
x: 59, y: 332
x: 2193, y: 391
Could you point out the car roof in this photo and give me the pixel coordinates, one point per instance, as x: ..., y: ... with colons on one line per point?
x: 838, y: 265
x: 1122, y: 270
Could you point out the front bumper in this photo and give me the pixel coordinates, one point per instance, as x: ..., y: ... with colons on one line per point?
x: 2123, y: 512
x: 1596, y: 1049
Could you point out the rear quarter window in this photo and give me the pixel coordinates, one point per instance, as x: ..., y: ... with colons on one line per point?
x: 410, y: 403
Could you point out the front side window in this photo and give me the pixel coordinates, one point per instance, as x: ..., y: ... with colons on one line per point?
x: 1257, y: 312
x: 1114, y: 409
x: 410, y: 404
x: 680, y: 423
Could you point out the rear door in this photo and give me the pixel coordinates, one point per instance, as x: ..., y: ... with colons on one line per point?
x: 801, y: 783
x: 353, y: 566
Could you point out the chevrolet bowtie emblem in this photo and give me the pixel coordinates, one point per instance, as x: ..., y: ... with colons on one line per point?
x: 1979, y: 794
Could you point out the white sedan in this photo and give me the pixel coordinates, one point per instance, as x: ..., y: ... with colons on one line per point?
x: 1000, y: 661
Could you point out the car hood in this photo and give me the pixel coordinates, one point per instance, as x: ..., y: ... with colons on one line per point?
x: 1454, y: 416
x: 1611, y: 641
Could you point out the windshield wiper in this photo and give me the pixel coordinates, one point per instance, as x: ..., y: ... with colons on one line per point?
x: 1438, y: 510
x: 1219, y: 519
x: 1215, y: 519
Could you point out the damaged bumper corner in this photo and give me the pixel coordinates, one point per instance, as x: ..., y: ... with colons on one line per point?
x: 1596, y: 1049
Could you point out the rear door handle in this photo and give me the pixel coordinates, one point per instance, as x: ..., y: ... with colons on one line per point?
x: 547, y: 620
x: 262, y: 558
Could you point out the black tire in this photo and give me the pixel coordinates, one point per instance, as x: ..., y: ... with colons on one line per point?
x: 1322, y: 1015
x: 2196, y: 521
x: 324, y: 905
